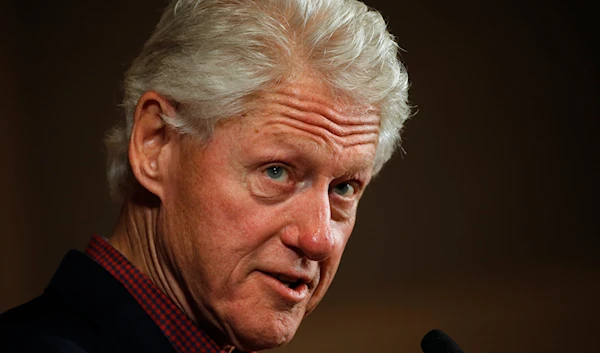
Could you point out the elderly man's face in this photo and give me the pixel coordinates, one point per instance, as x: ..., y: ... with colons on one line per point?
x: 254, y: 222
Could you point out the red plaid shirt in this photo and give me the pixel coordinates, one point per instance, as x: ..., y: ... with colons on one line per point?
x: 181, y: 331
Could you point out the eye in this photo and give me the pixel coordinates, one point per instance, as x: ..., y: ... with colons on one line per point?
x: 277, y: 173
x: 344, y: 189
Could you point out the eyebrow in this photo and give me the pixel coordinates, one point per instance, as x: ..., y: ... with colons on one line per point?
x: 287, y: 148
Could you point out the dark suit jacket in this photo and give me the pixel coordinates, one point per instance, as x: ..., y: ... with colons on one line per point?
x: 83, y: 310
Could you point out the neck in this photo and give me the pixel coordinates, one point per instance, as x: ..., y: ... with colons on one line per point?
x: 135, y: 237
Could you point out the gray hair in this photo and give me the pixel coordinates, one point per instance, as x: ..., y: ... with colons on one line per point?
x: 209, y: 56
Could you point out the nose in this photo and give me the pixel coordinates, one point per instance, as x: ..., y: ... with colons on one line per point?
x: 310, y: 230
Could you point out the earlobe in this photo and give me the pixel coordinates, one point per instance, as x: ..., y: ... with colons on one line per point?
x: 149, y: 143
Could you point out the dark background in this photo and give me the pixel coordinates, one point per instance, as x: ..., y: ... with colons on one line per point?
x: 487, y: 228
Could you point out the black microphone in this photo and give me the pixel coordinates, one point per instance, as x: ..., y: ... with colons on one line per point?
x: 436, y: 341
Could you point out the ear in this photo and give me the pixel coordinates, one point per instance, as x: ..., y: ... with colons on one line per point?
x: 151, y: 142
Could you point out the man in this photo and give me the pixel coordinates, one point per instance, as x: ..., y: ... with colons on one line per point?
x: 252, y: 128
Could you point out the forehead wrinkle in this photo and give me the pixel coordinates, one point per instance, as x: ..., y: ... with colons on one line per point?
x: 338, y: 106
x: 327, y: 136
x: 334, y: 113
x: 358, y: 126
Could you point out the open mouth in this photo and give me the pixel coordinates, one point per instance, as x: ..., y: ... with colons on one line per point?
x: 290, y: 282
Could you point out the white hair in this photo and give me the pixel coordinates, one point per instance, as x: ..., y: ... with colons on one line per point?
x: 209, y: 56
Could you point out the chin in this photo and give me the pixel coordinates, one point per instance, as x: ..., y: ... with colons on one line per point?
x: 248, y: 344
x: 265, y: 333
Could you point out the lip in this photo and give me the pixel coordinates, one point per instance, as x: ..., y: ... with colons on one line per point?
x: 292, y: 295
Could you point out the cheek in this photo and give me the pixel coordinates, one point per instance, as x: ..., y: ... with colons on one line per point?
x: 219, y: 225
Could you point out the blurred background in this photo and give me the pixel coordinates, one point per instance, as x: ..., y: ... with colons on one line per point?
x: 487, y: 228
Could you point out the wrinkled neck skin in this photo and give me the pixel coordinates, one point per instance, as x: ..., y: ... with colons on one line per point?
x: 135, y: 238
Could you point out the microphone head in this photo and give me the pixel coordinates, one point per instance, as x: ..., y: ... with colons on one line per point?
x: 436, y: 341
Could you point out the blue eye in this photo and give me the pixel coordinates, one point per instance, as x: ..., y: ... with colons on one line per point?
x: 276, y: 172
x: 344, y: 189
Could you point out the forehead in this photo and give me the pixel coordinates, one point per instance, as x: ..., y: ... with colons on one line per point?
x: 307, y: 119
x: 312, y: 105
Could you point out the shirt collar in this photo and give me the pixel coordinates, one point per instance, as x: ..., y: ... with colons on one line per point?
x: 179, y: 329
